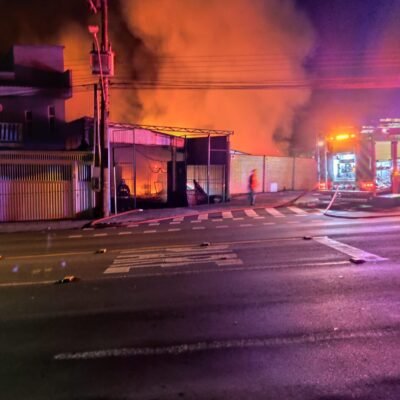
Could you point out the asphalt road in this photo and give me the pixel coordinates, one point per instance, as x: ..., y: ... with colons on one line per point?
x: 237, y: 306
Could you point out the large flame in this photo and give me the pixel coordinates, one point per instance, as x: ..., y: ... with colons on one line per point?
x: 206, y: 46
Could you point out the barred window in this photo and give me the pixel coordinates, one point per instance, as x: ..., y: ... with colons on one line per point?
x: 35, y: 172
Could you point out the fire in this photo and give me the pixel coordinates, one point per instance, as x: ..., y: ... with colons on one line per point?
x: 214, y: 64
x: 206, y: 45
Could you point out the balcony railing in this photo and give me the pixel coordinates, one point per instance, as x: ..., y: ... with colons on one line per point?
x: 11, y: 134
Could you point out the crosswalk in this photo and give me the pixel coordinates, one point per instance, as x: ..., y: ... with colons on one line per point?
x: 233, y: 215
x: 208, y: 220
x: 218, y: 255
x: 237, y: 215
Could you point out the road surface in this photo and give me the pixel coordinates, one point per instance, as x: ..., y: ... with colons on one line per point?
x: 256, y: 304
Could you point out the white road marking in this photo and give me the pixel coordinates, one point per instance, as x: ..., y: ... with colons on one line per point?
x: 154, y: 224
x: 222, y: 226
x: 174, y: 229
x: 227, y: 214
x: 216, y: 220
x: 197, y: 228
x: 178, y: 219
x: 150, y: 231
x: 196, y: 221
x: 236, y: 261
x: 224, y: 344
x: 181, y: 272
x: 349, y: 250
x: 173, y: 257
x: 100, y: 234
x: 250, y: 213
x: 74, y: 236
x: 117, y: 270
x: 125, y: 233
x: 244, y: 225
x: 297, y: 210
x: 268, y: 223
x: 238, y: 219
x: 274, y: 212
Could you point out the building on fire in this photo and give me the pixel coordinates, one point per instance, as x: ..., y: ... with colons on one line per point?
x: 47, y: 165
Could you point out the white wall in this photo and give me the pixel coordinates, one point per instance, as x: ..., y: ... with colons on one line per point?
x: 282, y: 173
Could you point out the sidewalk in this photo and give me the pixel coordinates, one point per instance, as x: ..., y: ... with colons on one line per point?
x: 237, y: 202
x: 240, y: 202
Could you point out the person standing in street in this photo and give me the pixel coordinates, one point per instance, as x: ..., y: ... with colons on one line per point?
x: 252, y: 187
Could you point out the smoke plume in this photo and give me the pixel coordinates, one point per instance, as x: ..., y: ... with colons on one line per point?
x: 214, y: 59
x: 216, y: 64
x: 359, y: 57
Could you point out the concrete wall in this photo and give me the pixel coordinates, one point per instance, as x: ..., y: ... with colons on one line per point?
x: 274, y: 173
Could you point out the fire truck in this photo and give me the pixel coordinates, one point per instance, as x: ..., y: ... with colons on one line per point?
x: 360, y: 162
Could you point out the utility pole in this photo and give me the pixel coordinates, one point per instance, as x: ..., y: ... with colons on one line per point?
x: 102, y: 63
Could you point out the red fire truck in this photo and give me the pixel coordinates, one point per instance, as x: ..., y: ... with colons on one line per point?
x: 359, y: 162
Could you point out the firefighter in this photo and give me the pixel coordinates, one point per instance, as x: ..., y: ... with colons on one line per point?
x: 123, y: 190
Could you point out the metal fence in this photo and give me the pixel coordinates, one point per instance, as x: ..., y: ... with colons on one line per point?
x: 37, y: 186
x: 211, y: 180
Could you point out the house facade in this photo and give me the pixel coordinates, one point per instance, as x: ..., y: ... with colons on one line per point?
x: 39, y: 178
x: 47, y: 166
x: 33, y: 89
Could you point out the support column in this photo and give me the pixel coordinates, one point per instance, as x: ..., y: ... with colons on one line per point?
x: 395, y: 172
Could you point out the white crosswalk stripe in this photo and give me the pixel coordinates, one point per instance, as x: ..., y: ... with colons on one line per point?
x: 250, y: 213
x: 297, y: 210
x: 227, y: 214
x: 220, y: 255
x: 274, y: 212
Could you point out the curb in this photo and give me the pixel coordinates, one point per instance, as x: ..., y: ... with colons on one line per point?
x: 329, y: 214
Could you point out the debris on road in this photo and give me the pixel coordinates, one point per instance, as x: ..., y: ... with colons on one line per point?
x: 356, y: 260
x: 67, y: 279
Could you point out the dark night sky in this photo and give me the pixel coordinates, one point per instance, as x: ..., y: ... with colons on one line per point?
x: 354, y: 40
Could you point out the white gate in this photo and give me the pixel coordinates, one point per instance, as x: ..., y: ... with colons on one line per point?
x: 44, y: 186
